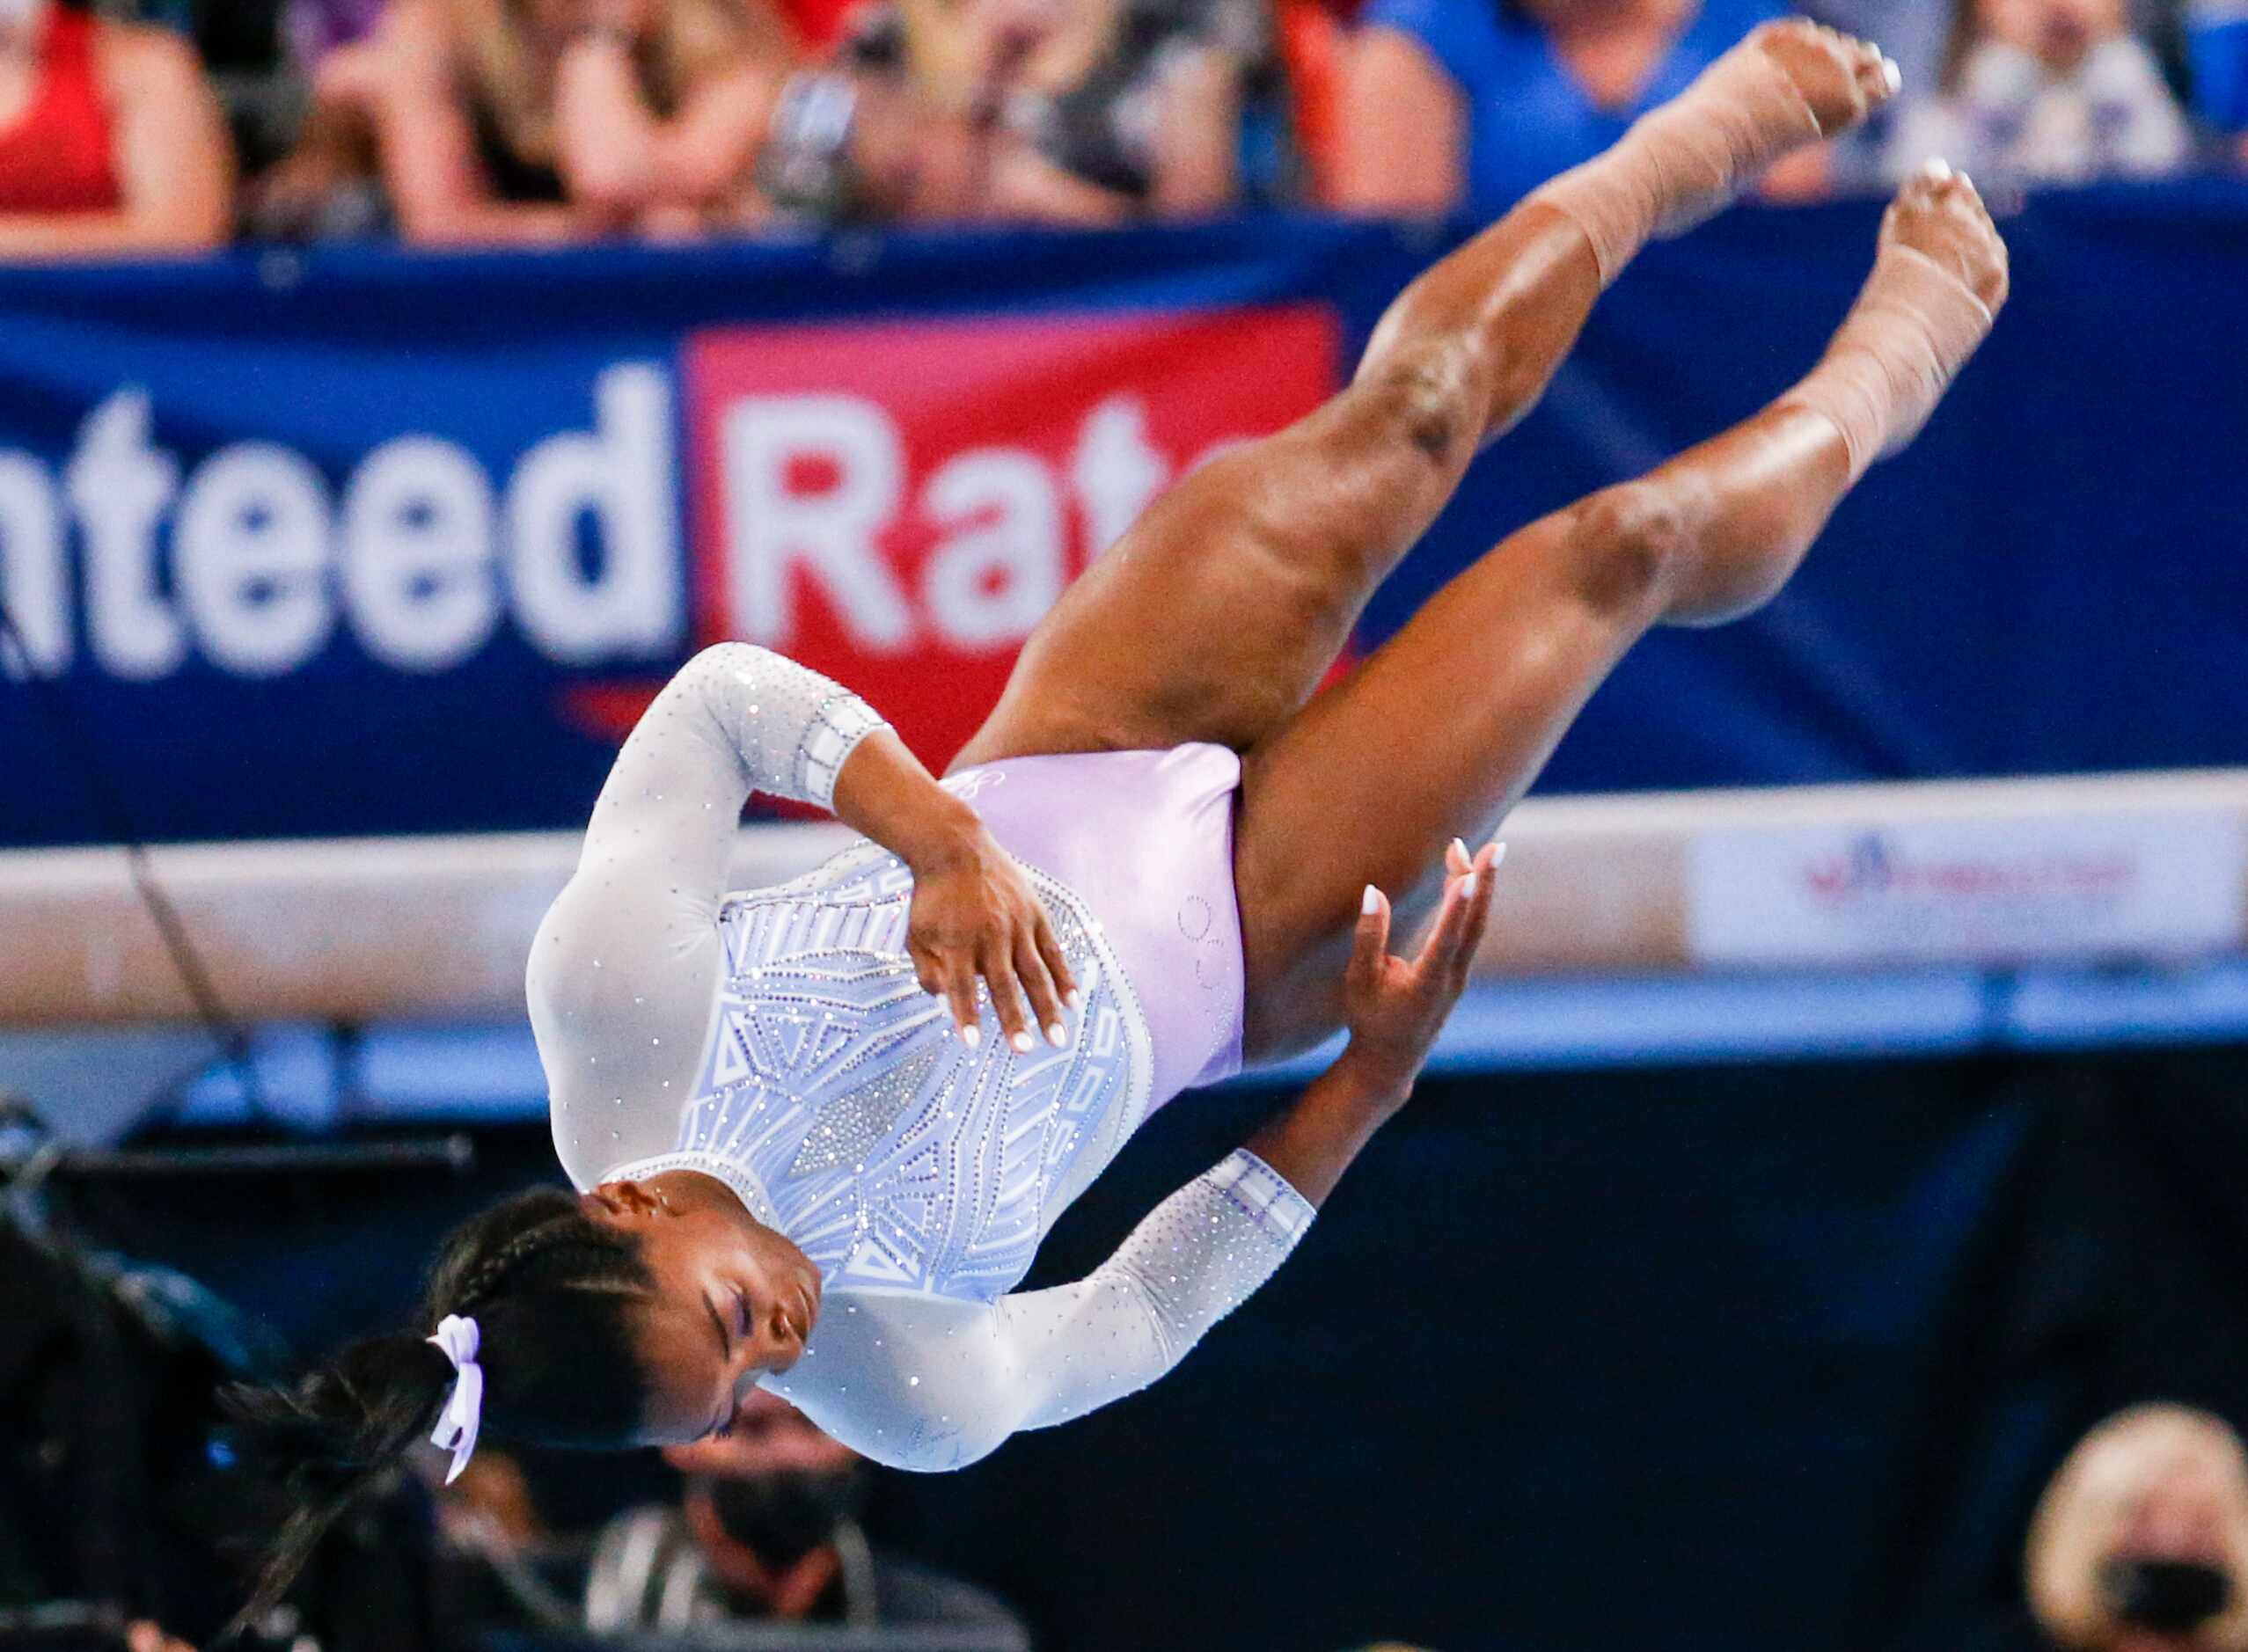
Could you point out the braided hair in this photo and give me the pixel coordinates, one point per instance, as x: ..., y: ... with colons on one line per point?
x: 552, y: 1290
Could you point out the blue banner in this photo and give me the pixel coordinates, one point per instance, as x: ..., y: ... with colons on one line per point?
x: 360, y: 541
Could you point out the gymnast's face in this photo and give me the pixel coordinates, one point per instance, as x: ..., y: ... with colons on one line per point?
x: 733, y: 1300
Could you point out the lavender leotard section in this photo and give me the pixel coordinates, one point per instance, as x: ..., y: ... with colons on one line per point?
x: 1146, y: 838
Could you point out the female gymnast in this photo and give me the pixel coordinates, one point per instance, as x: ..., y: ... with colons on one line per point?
x: 819, y: 1131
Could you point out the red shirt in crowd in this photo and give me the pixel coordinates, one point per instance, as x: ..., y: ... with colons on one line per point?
x: 59, y: 155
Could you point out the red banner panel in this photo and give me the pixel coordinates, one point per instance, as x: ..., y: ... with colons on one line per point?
x: 897, y: 504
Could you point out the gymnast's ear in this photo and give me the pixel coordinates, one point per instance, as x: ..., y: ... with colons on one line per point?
x: 624, y: 1200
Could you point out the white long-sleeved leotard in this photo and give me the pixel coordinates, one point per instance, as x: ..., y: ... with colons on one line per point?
x: 779, y: 1040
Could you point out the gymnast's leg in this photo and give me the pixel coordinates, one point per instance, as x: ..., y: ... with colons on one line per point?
x: 1220, y: 612
x: 1444, y: 727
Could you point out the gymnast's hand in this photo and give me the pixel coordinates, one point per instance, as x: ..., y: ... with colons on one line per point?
x: 975, y: 914
x: 1394, y: 1009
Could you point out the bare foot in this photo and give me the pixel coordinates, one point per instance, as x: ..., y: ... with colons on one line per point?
x: 1936, y: 287
x: 1939, y: 214
x: 1840, y: 78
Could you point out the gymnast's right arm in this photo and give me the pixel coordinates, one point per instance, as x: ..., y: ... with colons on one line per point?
x: 1042, y: 1357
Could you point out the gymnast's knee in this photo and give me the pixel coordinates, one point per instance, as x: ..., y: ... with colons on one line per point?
x: 1424, y: 395
x: 1627, y: 544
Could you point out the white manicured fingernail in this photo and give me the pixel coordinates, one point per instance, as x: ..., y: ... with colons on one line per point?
x: 1373, y: 902
x: 1057, y: 1036
x: 971, y: 1036
x: 1021, y: 1042
x: 1074, y: 997
x: 1468, y: 887
x: 1498, y: 854
x: 1892, y: 76
x: 1460, y: 848
x: 1939, y: 169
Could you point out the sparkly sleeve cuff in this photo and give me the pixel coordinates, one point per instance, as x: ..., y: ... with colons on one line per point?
x: 789, y: 728
x: 1265, y: 1195
x: 1204, y: 1251
x: 834, y: 733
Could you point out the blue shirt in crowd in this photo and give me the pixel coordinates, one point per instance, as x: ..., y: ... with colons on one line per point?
x: 2218, y: 37
x: 1527, y: 116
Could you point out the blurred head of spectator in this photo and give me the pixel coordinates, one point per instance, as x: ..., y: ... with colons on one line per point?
x: 2045, y: 92
x: 766, y: 1529
x: 2059, y: 34
x: 767, y: 1504
x: 111, y: 142
x: 1454, y: 104
x: 525, y: 120
x: 2140, y: 1542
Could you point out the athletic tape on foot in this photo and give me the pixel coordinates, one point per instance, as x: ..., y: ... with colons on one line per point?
x: 1910, y: 333
x: 1686, y: 161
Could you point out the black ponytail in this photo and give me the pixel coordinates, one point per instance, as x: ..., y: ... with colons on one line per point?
x: 552, y: 1291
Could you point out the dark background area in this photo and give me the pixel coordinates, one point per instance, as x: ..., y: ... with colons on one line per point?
x: 1770, y: 1356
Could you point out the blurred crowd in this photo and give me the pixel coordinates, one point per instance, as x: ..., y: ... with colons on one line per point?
x: 142, y: 126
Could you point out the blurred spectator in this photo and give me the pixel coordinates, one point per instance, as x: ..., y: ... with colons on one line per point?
x: 820, y: 26
x: 529, y: 120
x: 1114, y: 109
x: 314, y: 28
x: 2139, y: 1543
x: 329, y: 184
x: 767, y: 1530
x: 2045, y: 92
x: 110, y: 141
x: 869, y: 137
x: 2217, y: 45
x: 1452, y: 105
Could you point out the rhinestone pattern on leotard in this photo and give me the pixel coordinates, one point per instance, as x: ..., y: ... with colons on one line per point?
x: 891, y: 1153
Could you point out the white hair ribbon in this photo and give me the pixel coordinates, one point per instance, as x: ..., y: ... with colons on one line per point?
x: 463, y: 1412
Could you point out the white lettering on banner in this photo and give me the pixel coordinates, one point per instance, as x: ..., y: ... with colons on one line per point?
x: 774, y: 528
x: 33, y: 583
x: 120, y: 486
x: 418, y: 577
x: 993, y: 579
x: 1116, y: 469
x: 1002, y: 558
x: 2161, y: 885
x: 622, y: 477
x: 250, y: 551
x: 259, y: 568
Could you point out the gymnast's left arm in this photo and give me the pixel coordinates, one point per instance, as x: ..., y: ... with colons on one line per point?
x: 1203, y: 1251
x: 623, y: 975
